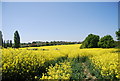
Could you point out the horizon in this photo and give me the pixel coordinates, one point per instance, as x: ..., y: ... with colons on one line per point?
x: 58, y: 21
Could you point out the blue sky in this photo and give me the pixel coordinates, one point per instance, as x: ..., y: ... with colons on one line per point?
x: 0, y: 15
x: 67, y: 21
x: 60, y: 0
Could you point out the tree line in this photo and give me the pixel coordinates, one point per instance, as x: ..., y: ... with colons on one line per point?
x: 47, y: 43
x: 94, y: 41
x: 17, y: 44
x: 9, y: 43
x: 91, y: 41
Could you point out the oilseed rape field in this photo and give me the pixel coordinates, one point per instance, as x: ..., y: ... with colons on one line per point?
x: 67, y: 62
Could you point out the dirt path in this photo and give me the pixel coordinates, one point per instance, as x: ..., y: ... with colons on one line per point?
x: 87, y: 73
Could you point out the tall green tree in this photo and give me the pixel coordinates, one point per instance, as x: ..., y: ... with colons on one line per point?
x: 106, y: 42
x: 10, y: 43
x: 7, y: 43
x: 4, y: 44
x: 1, y: 39
x: 117, y: 43
x: 16, y: 40
x: 91, y: 41
x: 118, y: 34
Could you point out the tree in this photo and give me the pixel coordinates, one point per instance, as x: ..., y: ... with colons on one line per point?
x: 118, y: 34
x: 10, y: 43
x: 16, y: 40
x: 91, y: 41
x: 47, y: 43
x: 106, y: 42
x: 117, y: 43
x: 7, y: 44
x: 4, y: 44
x: 1, y: 39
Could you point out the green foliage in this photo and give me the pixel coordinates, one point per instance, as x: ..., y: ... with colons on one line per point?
x: 7, y: 43
x: 4, y: 44
x: 10, y: 43
x: 118, y: 34
x: 77, y: 69
x: 16, y: 39
x: 117, y: 44
x: 91, y: 41
x: 1, y: 39
x: 106, y: 42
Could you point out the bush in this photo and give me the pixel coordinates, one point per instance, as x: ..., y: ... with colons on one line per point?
x: 117, y: 44
x: 91, y: 41
x: 106, y: 42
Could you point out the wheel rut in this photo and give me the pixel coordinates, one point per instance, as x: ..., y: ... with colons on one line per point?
x: 87, y: 72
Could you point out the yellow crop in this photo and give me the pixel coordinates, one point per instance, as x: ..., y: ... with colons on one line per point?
x: 62, y: 71
x: 26, y: 60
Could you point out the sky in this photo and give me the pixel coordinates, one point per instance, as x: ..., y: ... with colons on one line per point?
x: 0, y: 15
x: 60, y: 0
x: 54, y: 21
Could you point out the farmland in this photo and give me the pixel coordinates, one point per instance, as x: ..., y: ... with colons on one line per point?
x: 60, y: 62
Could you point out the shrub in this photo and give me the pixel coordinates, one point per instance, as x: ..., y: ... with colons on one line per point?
x: 91, y: 41
x: 106, y: 42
